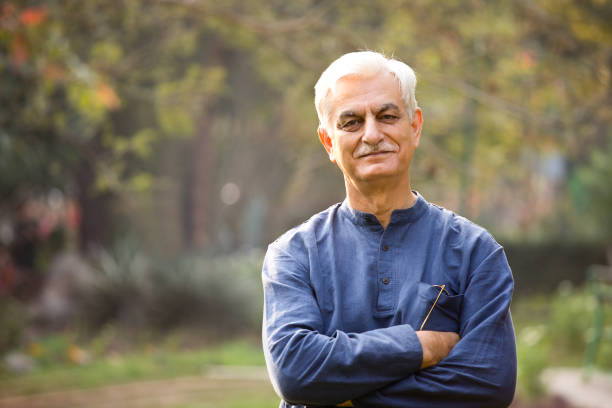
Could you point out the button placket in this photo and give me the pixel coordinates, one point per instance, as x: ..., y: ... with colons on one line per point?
x: 385, y: 288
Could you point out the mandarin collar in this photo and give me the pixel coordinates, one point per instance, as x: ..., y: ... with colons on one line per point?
x: 400, y: 216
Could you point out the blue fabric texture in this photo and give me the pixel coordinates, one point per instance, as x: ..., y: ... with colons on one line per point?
x: 344, y: 296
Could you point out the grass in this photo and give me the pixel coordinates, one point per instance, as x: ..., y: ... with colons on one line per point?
x: 146, y: 364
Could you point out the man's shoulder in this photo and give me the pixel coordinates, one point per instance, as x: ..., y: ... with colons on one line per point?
x: 459, y: 228
x: 297, y: 237
x: 463, y: 244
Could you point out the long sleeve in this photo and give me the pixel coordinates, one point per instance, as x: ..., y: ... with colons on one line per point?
x: 309, y: 367
x: 480, y: 371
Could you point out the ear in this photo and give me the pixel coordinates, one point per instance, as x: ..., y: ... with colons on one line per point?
x: 326, y: 141
x: 417, y: 125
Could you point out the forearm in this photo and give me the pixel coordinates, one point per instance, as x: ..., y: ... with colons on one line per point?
x: 473, y: 375
x: 310, y: 368
x: 425, y: 389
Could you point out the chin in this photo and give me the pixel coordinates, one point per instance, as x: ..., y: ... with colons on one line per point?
x: 382, y: 168
x: 376, y: 175
x: 380, y: 171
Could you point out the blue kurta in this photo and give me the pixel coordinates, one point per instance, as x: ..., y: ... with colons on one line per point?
x: 344, y: 296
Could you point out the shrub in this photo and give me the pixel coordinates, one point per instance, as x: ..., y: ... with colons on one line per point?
x: 221, y: 293
x: 557, y: 337
x: 532, y: 347
x: 195, y: 290
x: 120, y: 289
x: 572, y: 325
x: 570, y: 322
x: 11, y: 323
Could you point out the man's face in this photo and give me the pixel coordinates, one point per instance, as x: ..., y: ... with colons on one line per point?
x: 369, y: 134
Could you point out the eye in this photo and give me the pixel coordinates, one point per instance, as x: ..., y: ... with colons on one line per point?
x: 350, y: 125
x: 389, y: 117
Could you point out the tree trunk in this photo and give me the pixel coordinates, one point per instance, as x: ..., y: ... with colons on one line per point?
x: 94, y: 228
x: 199, y: 183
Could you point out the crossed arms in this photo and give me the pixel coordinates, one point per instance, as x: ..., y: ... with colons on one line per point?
x: 383, y: 367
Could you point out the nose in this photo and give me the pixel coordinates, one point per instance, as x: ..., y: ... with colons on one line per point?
x: 372, y: 134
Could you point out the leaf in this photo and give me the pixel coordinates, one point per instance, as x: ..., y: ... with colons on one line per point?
x: 32, y: 16
x: 142, y: 142
x: 107, y: 96
x: 140, y: 182
x: 19, y: 50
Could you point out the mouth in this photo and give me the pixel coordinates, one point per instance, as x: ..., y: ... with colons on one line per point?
x: 375, y: 154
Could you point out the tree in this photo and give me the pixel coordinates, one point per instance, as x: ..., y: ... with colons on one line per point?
x: 148, y: 109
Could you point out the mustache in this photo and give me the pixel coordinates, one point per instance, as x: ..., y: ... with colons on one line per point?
x: 365, y: 149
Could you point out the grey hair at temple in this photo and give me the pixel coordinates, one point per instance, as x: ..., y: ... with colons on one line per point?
x: 366, y: 63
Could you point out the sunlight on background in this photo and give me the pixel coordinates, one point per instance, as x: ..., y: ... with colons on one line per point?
x: 230, y: 193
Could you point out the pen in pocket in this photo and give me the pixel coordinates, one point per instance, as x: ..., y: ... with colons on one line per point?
x: 442, y: 289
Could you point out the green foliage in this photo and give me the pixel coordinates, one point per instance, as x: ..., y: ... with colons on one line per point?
x: 595, y: 177
x: 504, y: 86
x: 571, y: 319
x: 245, y: 60
x: 40, y: 126
x: 52, y: 350
x: 532, y: 347
x: 181, y: 102
x: 553, y: 331
x: 11, y: 322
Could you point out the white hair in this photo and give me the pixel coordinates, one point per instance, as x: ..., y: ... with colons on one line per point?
x: 366, y: 63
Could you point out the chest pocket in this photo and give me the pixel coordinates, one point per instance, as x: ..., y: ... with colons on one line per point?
x: 441, y: 314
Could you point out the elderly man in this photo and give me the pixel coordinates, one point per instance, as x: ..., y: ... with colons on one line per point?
x: 385, y: 300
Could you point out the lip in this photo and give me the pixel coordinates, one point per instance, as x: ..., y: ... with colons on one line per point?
x: 375, y: 154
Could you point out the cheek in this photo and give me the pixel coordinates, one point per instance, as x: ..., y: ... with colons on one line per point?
x: 344, y: 147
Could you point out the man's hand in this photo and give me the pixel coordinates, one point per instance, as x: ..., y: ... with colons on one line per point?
x: 436, y: 345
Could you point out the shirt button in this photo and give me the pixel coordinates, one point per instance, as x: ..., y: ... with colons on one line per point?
x: 385, y: 281
x: 385, y: 248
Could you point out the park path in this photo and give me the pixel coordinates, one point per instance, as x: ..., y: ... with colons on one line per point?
x: 211, y: 388
x: 568, y: 383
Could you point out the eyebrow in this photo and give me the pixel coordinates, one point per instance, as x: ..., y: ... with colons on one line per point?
x: 387, y: 106
x: 352, y: 114
x: 347, y: 114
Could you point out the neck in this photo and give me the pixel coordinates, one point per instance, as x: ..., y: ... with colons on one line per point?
x: 379, y: 198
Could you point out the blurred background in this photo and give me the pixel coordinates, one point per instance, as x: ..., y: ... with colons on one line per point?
x: 151, y: 149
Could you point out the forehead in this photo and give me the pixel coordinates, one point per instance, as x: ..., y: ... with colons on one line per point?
x: 361, y: 94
